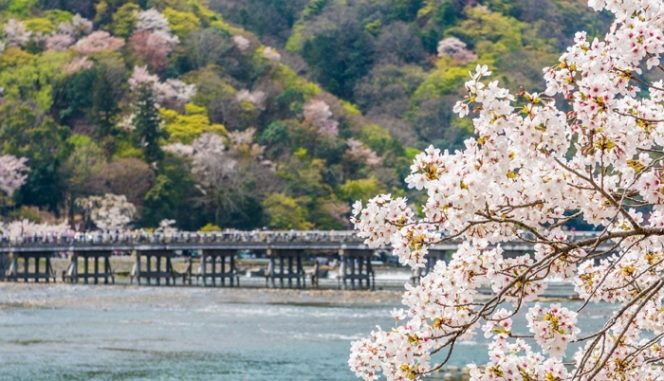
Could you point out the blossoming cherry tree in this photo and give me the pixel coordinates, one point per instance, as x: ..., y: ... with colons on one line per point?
x: 589, y: 148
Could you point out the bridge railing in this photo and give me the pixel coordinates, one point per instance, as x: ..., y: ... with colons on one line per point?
x: 134, y: 238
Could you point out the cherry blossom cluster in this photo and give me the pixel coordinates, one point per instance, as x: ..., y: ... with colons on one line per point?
x: 241, y: 42
x: 108, y: 212
x: 256, y: 98
x: 586, y: 149
x: 153, y: 39
x: 13, y: 173
x: 455, y: 49
x: 15, y: 33
x: 171, y: 92
x: 68, y: 32
x: 98, y: 41
x: 361, y: 152
x: 317, y: 113
x: 553, y: 327
x: 271, y: 54
x: 19, y: 229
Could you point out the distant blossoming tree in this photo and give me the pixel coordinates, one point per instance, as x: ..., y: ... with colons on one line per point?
x: 152, y: 47
x: 241, y: 42
x: 15, y: 33
x: 172, y: 92
x: 13, y: 173
x: 108, y: 212
x: 98, y: 41
x: 256, y: 97
x: 59, y: 41
x: 359, y: 151
x: 152, y: 20
x: 222, y: 166
x: 153, y: 40
x: 317, y: 113
x: 456, y: 49
x: 533, y: 166
x: 15, y: 230
x: 77, y: 64
x: 271, y: 54
x: 76, y: 27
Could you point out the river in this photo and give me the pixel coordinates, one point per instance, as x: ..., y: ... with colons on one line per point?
x: 66, y: 332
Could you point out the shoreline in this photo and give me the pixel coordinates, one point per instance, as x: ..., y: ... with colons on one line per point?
x: 57, y: 295
x: 62, y: 295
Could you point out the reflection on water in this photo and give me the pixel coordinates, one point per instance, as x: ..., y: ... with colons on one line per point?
x: 189, y: 334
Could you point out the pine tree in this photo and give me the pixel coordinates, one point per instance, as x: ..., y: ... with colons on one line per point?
x: 104, y: 105
x: 147, y: 125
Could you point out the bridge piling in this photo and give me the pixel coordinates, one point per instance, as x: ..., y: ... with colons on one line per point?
x: 155, y: 273
x: 290, y: 268
x: 99, y: 269
x: 36, y: 275
x: 356, y: 268
x: 219, y: 264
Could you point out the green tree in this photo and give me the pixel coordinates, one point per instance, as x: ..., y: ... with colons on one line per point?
x: 26, y: 132
x: 285, y: 212
x: 147, y: 125
x: 361, y: 189
x: 104, y: 106
x: 124, y: 20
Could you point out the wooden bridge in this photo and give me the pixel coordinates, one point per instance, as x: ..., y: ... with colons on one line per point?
x: 29, y: 259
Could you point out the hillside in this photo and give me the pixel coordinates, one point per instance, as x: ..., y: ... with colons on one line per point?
x: 404, y: 62
x: 188, y: 117
x: 245, y: 113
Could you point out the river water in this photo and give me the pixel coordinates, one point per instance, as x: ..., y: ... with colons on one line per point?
x: 129, y: 333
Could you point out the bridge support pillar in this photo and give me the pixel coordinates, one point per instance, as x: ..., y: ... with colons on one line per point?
x: 219, y: 265
x: 356, y: 270
x: 286, y: 266
x: 20, y: 267
x: 4, y: 265
x: 96, y: 267
x: 158, y: 267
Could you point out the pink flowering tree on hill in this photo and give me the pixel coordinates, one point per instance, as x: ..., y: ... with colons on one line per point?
x: 13, y: 174
x: 589, y: 148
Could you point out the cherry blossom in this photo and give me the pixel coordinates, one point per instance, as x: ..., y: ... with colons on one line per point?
x: 153, y: 47
x: 241, y: 42
x: 108, y: 212
x: 271, y: 54
x: 98, y: 41
x: 171, y: 93
x: 76, y: 27
x: 256, y: 97
x: 19, y: 229
x: 317, y: 113
x: 152, y: 20
x: 359, y: 151
x: 13, y: 173
x: 456, y: 49
x: 59, y: 41
x: 16, y: 34
x: 586, y: 149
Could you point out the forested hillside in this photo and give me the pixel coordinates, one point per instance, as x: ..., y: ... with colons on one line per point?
x: 244, y: 113
x: 404, y: 62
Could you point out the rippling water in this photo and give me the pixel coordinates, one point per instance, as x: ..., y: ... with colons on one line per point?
x: 110, y: 333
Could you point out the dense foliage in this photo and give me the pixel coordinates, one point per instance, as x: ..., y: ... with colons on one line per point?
x: 192, y: 118
x: 143, y: 111
x: 389, y: 56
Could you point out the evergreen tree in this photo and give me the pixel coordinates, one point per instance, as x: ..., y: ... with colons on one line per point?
x: 104, y: 105
x: 147, y: 125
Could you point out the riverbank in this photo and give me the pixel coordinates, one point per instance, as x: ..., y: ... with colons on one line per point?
x: 62, y: 295
x: 31, y: 295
